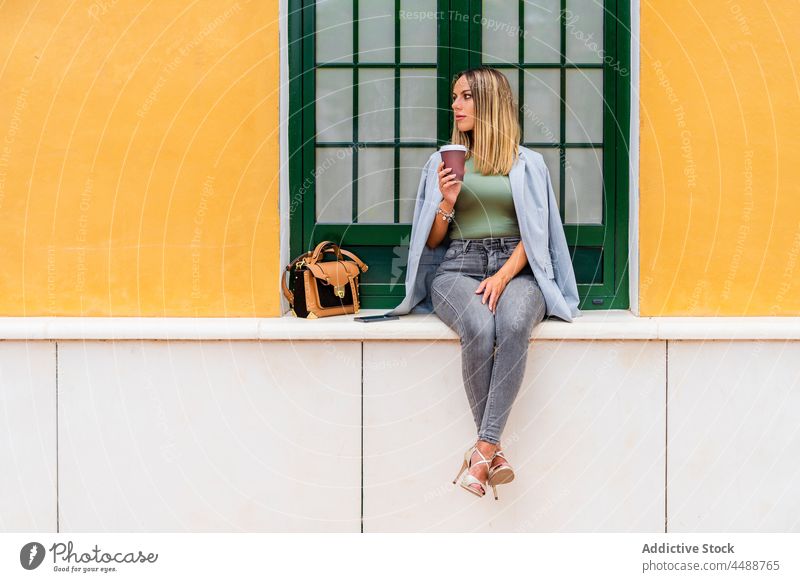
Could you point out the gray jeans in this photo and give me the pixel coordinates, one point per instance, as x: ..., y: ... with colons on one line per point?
x: 492, y: 375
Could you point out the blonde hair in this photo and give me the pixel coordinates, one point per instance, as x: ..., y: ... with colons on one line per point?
x: 494, y: 139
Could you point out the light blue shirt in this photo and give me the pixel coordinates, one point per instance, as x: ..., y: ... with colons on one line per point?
x: 541, y: 231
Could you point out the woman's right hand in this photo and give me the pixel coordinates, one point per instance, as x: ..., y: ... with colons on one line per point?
x: 449, y: 185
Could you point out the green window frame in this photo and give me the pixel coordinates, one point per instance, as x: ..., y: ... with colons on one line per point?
x: 599, y: 250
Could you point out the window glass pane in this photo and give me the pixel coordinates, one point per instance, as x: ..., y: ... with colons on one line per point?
x: 376, y: 31
x: 334, y: 31
x: 418, y: 23
x: 500, y: 24
x: 553, y: 163
x: 412, y: 160
x: 542, y: 31
x: 584, y: 29
x: 334, y: 172
x: 375, y: 185
x: 542, y: 111
x: 376, y: 105
x: 584, y: 110
x: 583, y: 175
x: 513, y: 79
x: 418, y: 105
x: 334, y: 105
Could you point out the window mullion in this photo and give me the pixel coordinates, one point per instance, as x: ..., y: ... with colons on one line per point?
x: 354, y: 208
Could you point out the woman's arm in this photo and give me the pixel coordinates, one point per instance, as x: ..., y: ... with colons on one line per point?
x: 439, y: 226
x: 515, y: 263
x: 450, y: 187
x: 492, y: 287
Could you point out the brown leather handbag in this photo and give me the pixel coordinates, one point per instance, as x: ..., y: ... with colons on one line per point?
x: 321, y: 288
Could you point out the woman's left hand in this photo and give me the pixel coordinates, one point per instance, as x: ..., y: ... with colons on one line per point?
x: 492, y: 287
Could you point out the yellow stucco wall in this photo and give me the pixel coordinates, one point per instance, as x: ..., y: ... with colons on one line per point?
x: 720, y: 160
x: 139, y: 158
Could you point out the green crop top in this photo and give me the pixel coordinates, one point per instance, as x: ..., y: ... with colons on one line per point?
x: 484, y: 207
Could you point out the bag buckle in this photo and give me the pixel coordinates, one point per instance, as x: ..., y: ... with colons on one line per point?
x: 299, y: 264
x: 339, y: 291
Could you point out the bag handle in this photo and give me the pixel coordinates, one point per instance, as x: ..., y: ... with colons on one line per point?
x: 361, y: 264
x: 322, y: 248
x: 327, y: 246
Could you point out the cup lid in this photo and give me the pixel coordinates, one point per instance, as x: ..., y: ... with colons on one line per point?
x: 449, y: 147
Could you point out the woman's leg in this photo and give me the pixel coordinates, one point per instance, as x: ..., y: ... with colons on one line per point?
x: 457, y: 305
x: 521, y: 306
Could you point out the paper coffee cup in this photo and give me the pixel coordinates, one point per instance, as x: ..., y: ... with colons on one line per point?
x: 453, y: 157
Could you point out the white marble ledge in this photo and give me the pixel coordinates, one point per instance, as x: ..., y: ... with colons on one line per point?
x: 592, y: 325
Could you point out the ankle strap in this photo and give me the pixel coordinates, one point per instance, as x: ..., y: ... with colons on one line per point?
x: 480, y: 454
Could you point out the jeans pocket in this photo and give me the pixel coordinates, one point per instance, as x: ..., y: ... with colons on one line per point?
x: 453, y: 252
x: 509, y: 246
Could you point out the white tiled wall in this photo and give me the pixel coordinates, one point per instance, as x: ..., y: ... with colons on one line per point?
x: 586, y: 437
x: 734, y: 436
x: 267, y: 436
x: 210, y: 436
x: 27, y: 436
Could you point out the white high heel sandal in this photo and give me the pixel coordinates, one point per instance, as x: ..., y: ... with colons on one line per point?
x: 469, y: 479
x: 500, y: 474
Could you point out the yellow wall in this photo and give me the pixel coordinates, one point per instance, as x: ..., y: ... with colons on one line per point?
x: 720, y: 158
x: 139, y: 158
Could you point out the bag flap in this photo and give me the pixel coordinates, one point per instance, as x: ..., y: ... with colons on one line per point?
x: 336, y: 273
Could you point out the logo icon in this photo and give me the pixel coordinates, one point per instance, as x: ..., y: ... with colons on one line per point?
x: 31, y: 555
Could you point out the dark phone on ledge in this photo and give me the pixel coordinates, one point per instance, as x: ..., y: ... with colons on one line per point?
x: 369, y: 318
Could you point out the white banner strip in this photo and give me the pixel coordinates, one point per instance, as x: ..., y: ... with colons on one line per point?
x: 353, y: 556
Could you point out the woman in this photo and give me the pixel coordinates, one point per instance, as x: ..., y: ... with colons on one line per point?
x: 484, y: 288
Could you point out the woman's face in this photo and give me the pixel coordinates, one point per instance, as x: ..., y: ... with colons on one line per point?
x: 463, y: 105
